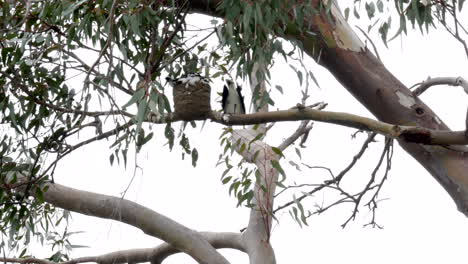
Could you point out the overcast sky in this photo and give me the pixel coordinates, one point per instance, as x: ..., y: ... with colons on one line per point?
x: 421, y: 222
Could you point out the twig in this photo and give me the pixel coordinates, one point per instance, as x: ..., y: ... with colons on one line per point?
x: 335, y: 180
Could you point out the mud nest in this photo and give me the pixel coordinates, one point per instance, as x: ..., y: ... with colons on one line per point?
x: 192, y: 100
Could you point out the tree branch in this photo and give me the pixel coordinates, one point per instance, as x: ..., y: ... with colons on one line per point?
x: 154, y: 255
x: 125, y: 211
x: 406, y: 133
x: 452, y: 81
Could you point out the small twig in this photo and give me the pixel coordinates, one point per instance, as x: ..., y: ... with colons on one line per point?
x: 335, y: 180
x: 88, y: 141
x: 371, y: 42
x: 368, y: 185
x: 155, y: 66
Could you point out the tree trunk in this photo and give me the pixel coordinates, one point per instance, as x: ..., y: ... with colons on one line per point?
x: 336, y: 47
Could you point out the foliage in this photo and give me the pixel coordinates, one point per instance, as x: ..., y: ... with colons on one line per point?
x: 425, y: 14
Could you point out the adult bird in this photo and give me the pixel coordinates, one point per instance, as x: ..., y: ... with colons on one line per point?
x: 232, y: 101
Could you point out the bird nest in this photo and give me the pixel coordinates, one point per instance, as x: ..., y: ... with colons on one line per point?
x: 192, y: 98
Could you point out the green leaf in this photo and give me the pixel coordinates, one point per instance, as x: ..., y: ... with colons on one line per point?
x: 246, y: 197
x: 141, y: 114
x: 72, y: 8
x: 298, y: 152
x: 279, y: 88
x: 194, y: 157
x: 257, y: 137
x: 137, y: 96
x: 39, y: 195
x: 380, y: 6
x: 242, y: 148
x: 346, y: 13
x: 356, y: 13
x: 277, y: 151
x: 226, y: 180
x: 169, y: 133
x: 278, y: 167
x: 370, y: 8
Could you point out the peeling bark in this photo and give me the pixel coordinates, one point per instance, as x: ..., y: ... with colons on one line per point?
x: 389, y: 100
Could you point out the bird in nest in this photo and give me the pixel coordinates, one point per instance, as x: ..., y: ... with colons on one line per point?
x: 232, y: 100
x: 189, y: 79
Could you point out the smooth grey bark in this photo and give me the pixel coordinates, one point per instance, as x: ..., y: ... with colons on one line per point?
x: 149, y: 221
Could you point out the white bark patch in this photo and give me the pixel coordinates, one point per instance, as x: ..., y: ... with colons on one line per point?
x: 345, y: 37
x: 405, y: 100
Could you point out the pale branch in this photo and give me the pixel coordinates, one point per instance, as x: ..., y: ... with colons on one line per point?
x: 452, y: 81
x: 125, y: 211
x: 154, y: 255
x: 410, y: 134
x: 371, y: 42
x: 217, y: 239
x: 258, y: 232
x: 257, y: 235
x: 302, y: 130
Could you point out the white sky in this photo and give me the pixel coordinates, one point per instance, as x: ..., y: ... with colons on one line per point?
x: 421, y: 222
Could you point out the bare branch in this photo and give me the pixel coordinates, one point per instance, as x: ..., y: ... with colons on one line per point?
x: 335, y: 180
x: 216, y: 239
x: 302, y: 130
x: 452, y: 81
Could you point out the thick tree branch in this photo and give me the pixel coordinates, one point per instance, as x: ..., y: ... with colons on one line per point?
x: 257, y: 235
x: 122, y: 210
x: 154, y: 255
x: 139, y: 255
x: 256, y: 238
x: 217, y: 239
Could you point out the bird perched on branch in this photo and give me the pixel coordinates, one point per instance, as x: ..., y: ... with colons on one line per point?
x: 232, y: 101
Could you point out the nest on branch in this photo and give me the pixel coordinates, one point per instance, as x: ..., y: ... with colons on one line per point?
x: 192, y: 100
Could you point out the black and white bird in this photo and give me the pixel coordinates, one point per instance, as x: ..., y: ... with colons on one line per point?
x: 232, y: 101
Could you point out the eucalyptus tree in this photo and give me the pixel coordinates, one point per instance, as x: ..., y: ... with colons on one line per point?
x: 121, y: 51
